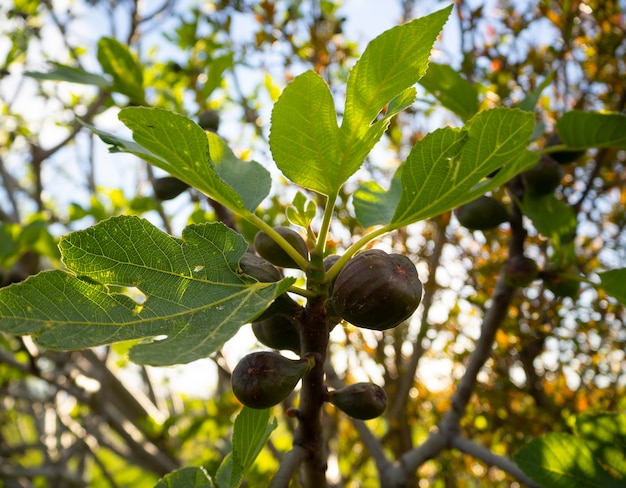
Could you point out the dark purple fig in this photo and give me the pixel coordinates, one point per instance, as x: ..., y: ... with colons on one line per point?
x: 544, y: 177
x: 264, y: 379
x: 363, y: 401
x: 209, y: 120
x: 520, y: 271
x: 565, y: 156
x: 484, y: 213
x: 168, y: 187
x: 376, y: 290
x: 267, y: 248
x: 278, y: 332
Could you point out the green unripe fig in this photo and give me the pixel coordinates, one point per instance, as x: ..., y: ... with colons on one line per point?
x: 520, y: 271
x: 278, y: 332
x: 267, y: 248
x: 565, y: 156
x: 264, y: 379
x: 376, y: 290
x: 168, y: 187
x: 484, y: 213
x: 209, y: 120
x: 363, y: 401
x: 544, y: 177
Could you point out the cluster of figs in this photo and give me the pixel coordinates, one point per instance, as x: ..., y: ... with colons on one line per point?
x: 486, y: 213
x: 374, y: 290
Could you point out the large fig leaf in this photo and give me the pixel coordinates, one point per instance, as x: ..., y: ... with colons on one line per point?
x: 560, y: 460
x: 613, y: 283
x: 450, y: 167
x: 304, y: 134
x: 581, y: 130
x: 306, y: 142
x: 126, y: 280
x: 181, y: 147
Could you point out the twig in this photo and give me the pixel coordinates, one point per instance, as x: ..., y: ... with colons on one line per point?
x: 468, y: 447
x: 288, y: 467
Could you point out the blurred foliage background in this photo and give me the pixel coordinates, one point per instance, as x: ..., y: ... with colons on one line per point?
x: 91, y: 419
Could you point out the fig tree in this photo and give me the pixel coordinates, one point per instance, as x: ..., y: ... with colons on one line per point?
x: 520, y: 271
x: 484, y: 213
x: 267, y: 248
x: 376, y: 290
x: 168, y: 187
x: 278, y: 332
x: 544, y: 177
x: 564, y: 156
x: 363, y: 401
x: 265, y: 378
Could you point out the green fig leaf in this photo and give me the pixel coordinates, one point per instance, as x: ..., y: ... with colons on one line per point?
x: 304, y: 135
x: 61, y: 72
x: 449, y: 167
x: 605, y: 434
x: 452, y: 90
x: 189, y: 477
x: 117, y: 61
x: 613, y: 283
x: 582, y: 130
x: 550, y: 216
x: 250, y: 434
x: 127, y: 280
x: 563, y: 461
x: 391, y: 63
x: 179, y: 146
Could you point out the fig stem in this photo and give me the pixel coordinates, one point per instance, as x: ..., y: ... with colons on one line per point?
x: 354, y: 248
x: 329, y: 208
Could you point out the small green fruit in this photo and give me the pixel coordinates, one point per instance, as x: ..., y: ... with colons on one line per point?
x: 363, y: 401
x: 484, y: 213
x: 565, y: 156
x: 278, y: 332
x: 376, y: 290
x: 520, y: 271
x: 267, y: 248
x: 168, y: 187
x: 544, y: 177
x: 264, y: 379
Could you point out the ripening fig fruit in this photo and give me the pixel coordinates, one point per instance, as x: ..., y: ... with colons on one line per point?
x: 278, y: 332
x: 520, y: 271
x: 259, y: 268
x: 565, y: 156
x: 209, y: 120
x: 484, y: 213
x: 267, y: 248
x: 168, y: 187
x: 544, y: 177
x: 363, y: 401
x: 264, y: 379
x: 376, y: 290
